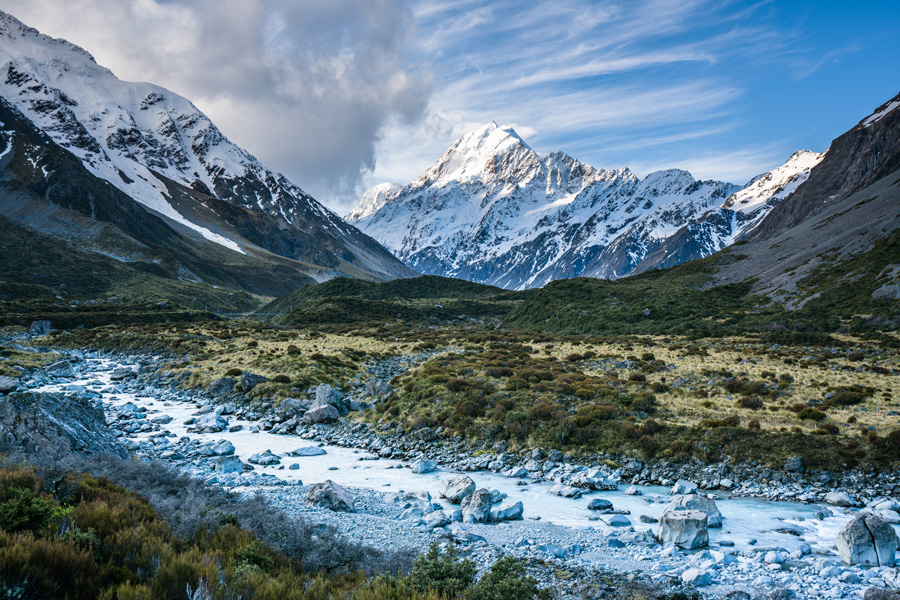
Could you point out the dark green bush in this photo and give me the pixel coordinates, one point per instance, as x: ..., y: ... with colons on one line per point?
x: 23, y: 510
x: 442, y: 572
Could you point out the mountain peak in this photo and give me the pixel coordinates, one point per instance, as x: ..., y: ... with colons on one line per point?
x: 16, y: 31
x: 476, y: 154
x: 882, y: 111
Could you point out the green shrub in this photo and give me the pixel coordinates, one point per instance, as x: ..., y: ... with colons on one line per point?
x: 23, y: 510
x: 846, y: 398
x: 233, y: 372
x: 637, y: 377
x: 506, y: 581
x: 442, y: 572
x: 751, y: 402
x: 811, y: 414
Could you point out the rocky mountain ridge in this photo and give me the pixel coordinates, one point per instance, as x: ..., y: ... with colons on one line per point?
x: 491, y: 210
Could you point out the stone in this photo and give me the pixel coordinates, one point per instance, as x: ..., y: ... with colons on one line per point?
x: 251, y: 380
x: 228, y: 464
x: 422, y: 466
x: 476, y: 507
x: 227, y: 409
x: 633, y: 491
x: 294, y: 467
x: 508, y: 513
x: 519, y: 473
x: 600, y: 504
x: 457, y: 488
x: 687, y: 529
x: 331, y: 496
x: 161, y: 420
x: 222, y: 448
x: 437, y: 518
x: 221, y: 386
x: 8, y: 384
x: 839, y: 499
x: 794, y: 464
x: 327, y: 395
x: 696, y: 577
x: 617, y: 520
x: 867, y: 540
x: 880, y: 594
x: 325, y: 413
x: 40, y: 327
x: 566, y: 491
x: 210, y: 423
x: 413, y: 513
x: 264, y: 459
x: 552, y: 550
x: 309, y: 451
x: 683, y: 487
x: 648, y: 519
x: 121, y: 374
x: 701, y: 503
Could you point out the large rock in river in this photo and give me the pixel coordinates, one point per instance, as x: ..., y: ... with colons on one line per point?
x: 697, y: 502
x: 476, y: 508
x: 687, y: 529
x: 867, y: 540
x: 331, y: 496
x: 457, y: 488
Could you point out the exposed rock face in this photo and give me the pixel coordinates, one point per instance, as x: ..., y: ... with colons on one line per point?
x: 867, y: 540
x: 40, y: 327
x: 687, y: 529
x: 476, y: 508
x: 457, y: 488
x: 697, y: 502
x: 856, y: 159
x: 331, y: 496
x: 47, y: 421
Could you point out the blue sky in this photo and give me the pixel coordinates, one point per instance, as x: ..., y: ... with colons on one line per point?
x: 724, y: 89
x: 343, y: 94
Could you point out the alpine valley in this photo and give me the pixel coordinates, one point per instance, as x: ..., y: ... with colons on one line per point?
x: 535, y: 380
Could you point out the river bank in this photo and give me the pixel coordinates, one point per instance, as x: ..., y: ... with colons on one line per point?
x: 747, y: 554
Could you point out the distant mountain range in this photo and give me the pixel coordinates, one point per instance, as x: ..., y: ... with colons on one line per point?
x: 491, y: 210
x: 154, y: 180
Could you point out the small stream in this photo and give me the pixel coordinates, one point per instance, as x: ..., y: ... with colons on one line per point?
x: 747, y: 521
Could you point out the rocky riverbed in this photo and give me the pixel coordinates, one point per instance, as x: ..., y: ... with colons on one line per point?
x: 779, y: 528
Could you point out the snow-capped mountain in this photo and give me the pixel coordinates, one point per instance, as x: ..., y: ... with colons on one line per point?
x: 491, y: 210
x: 160, y: 150
x: 740, y: 214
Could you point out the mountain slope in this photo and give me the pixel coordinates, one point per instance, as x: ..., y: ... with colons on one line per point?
x: 492, y: 211
x: 858, y: 158
x: 47, y: 189
x: 157, y: 148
